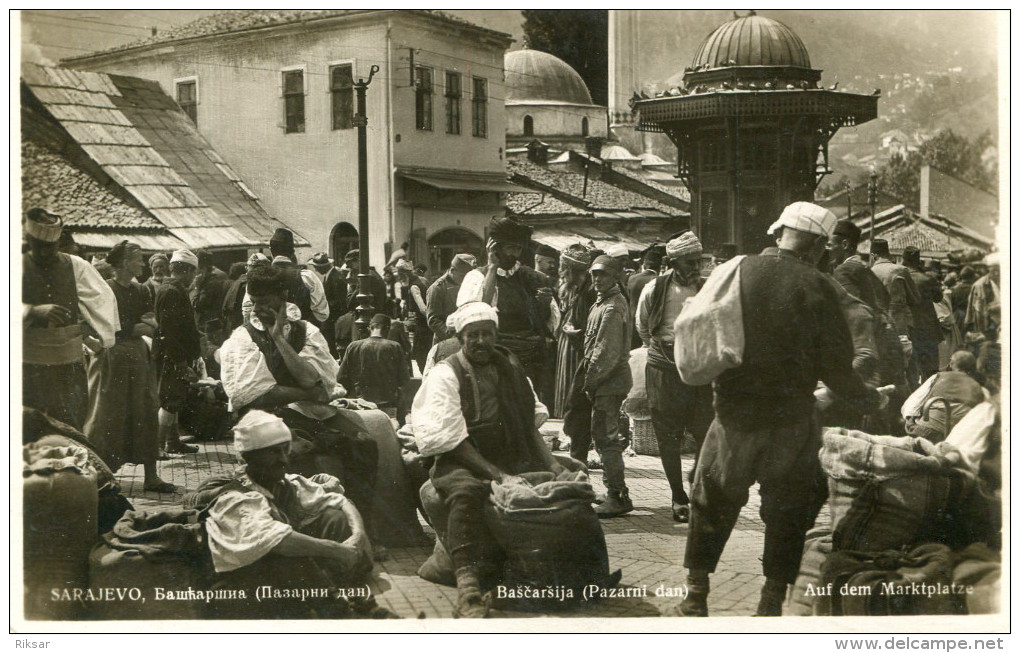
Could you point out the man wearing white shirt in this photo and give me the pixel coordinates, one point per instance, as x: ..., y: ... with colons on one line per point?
x: 478, y: 415
x: 60, y: 295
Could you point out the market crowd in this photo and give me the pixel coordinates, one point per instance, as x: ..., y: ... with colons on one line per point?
x: 145, y: 353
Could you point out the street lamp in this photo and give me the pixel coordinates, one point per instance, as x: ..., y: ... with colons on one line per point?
x: 365, y: 309
x: 872, y: 200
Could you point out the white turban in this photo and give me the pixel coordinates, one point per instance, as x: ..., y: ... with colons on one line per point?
x: 807, y: 217
x: 472, y: 312
x: 185, y: 256
x: 617, y: 251
x: 259, y: 430
x: 686, y: 244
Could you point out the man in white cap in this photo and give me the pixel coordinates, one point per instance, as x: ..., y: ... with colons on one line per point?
x: 675, y: 406
x: 441, y: 297
x: 60, y: 294
x: 266, y: 526
x: 176, y: 348
x: 478, y: 415
x: 765, y: 428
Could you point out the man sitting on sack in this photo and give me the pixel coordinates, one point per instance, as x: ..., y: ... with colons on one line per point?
x: 266, y: 526
x: 478, y: 415
x: 280, y: 363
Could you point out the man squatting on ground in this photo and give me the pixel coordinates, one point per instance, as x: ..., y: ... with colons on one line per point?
x: 765, y: 428
x: 478, y: 415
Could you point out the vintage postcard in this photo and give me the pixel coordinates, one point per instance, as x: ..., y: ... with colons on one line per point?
x: 577, y: 320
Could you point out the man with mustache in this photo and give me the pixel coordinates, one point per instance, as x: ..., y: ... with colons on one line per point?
x: 522, y: 295
x: 675, y: 406
x: 478, y: 416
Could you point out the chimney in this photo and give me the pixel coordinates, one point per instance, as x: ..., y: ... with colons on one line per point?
x: 538, y: 152
x: 593, y: 146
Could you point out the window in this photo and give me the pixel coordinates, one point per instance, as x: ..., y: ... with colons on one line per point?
x: 341, y: 92
x: 479, y: 108
x: 187, y: 97
x: 529, y: 126
x: 584, y: 126
x: 294, y: 101
x: 423, y: 98
x: 453, y: 95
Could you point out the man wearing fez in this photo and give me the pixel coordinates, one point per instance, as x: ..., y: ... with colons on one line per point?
x: 64, y: 301
x: 441, y: 297
x: 268, y: 526
x: 600, y: 385
x: 521, y: 295
x: 176, y: 348
x: 478, y: 415
x: 765, y: 427
x: 676, y: 407
x: 335, y: 288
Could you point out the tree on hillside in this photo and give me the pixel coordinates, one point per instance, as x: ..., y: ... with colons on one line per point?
x: 949, y: 153
x: 577, y: 36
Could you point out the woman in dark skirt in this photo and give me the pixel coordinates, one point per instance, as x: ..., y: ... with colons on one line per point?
x: 123, y: 404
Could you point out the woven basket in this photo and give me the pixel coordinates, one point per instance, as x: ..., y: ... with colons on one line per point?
x: 642, y: 436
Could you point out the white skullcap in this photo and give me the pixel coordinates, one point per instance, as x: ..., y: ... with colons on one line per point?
x: 185, y: 256
x: 259, y: 430
x: 806, y: 217
x: 686, y: 244
x: 472, y: 312
x: 617, y: 251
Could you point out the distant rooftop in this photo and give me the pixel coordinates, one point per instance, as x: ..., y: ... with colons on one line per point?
x: 236, y: 21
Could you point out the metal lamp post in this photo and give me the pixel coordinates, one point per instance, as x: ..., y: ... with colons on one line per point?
x: 365, y: 309
x: 873, y: 201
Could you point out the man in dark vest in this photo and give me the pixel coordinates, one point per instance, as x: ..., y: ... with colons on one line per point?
x: 374, y: 368
x: 280, y: 363
x: 62, y: 296
x: 522, y: 295
x: 478, y: 415
x: 850, y: 270
x: 676, y: 407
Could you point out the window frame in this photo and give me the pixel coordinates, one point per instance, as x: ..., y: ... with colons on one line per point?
x: 284, y: 72
x: 454, y: 115
x: 332, y: 92
x: 479, y: 108
x: 528, y: 126
x: 423, y: 99
x: 183, y: 81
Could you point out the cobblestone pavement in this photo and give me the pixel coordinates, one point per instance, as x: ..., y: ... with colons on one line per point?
x: 647, y: 545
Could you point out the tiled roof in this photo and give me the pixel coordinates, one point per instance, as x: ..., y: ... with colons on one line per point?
x: 530, y: 204
x: 679, y: 191
x: 232, y: 21
x: 635, y: 235
x: 933, y: 235
x: 149, y: 146
x: 571, y: 185
x: 49, y: 180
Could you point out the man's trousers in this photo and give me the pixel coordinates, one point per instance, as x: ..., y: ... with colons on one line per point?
x: 676, y: 407
x: 784, y: 461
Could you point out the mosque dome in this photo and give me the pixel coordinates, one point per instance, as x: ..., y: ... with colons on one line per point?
x: 752, y: 40
x: 534, y: 76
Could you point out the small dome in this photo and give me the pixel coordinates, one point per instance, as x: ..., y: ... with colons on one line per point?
x: 537, y: 76
x: 752, y: 41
